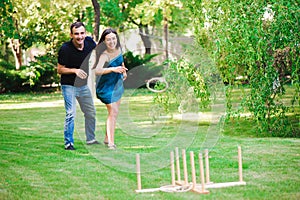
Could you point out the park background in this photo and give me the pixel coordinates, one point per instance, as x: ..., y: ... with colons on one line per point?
x: 231, y: 65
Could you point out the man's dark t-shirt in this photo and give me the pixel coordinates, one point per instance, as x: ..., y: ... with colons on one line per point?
x: 71, y: 57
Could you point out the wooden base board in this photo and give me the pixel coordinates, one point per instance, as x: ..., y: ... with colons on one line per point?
x: 221, y: 185
x: 148, y: 190
x: 196, y: 190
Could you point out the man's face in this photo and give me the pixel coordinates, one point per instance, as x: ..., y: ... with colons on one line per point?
x: 78, y: 35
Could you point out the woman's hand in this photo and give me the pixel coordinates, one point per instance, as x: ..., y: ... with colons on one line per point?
x: 119, y: 69
x: 124, y: 75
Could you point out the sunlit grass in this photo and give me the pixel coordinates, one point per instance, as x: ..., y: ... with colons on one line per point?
x: 34, y: 164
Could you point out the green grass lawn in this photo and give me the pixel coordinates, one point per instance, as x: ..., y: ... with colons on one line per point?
x: 34, y: 164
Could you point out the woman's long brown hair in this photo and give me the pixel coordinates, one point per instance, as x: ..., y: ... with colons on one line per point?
x: 101, y: 47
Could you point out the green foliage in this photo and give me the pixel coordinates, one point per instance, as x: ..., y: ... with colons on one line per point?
x: 6, y: 65
x: 35, y: 22
x: 40, y: 22
x: 172, y: 10
x: 89, y: 13
x: 186, y: 90
x: 127, y: 14
x: 131, y: 60
x: 10, y: 79
x: 266, y: 104
x: 43, y: 71
x: 181, y: 21
x: 259, y: 40
x: 48, y: 25
x: 39, y: 73
x: 111, y: 13
x: 7, y: 28
x: 140, y: 69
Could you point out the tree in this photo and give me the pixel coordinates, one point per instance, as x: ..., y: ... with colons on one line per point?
x: 259, y: 40
x: 37, y: 23
x: 7, y: 29
x: 125, y: 14
x: 40, y: 22
x: 96, y: 7
x: 118, y: 14
x: 158, y: 13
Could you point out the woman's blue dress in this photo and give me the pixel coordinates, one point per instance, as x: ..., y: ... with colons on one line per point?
x: 109, y: 87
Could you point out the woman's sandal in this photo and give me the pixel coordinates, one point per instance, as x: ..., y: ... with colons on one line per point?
x: 112, y: 146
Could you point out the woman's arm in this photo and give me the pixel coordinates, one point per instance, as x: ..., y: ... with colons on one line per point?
x: 100, y: 70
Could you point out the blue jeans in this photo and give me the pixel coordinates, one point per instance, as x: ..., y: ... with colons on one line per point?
x: 85, y: 100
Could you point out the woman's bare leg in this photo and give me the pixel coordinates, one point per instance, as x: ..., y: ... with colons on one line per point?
x: 113, y: 110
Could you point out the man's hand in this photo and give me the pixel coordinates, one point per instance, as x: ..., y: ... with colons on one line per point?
x: 61, y: 69
x: 80, y: 73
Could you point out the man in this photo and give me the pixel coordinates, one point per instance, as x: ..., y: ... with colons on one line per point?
x: 73, y: 68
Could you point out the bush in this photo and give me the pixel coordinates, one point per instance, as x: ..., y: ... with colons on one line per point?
x: 253, y: 39
x: 10, y: 79
x: 140, y: 69
x: 33, y: 77
x: 187, y: 90
x: 43, y: 71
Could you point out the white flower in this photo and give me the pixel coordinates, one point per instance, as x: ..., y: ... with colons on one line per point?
x: 268, y: 14
x: 207, y: 25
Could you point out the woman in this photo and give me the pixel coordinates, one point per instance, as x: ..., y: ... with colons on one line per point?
x: 111, y: 72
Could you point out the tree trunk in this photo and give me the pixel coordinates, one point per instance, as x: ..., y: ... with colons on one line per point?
x: 15, y: 46
x: 96, y: 19
x: 6, y: 51
x: 144, y: 33
x: 166, y: 37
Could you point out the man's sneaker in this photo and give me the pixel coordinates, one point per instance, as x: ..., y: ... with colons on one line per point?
x: 92, y: 142
x: 70, y: 147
